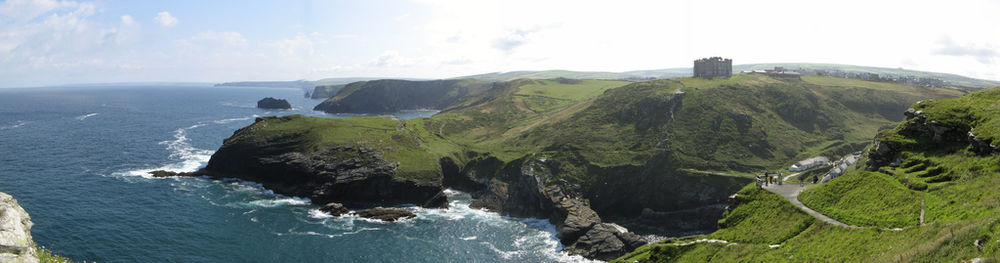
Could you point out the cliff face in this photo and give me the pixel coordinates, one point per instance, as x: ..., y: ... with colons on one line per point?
x: 529, y: 192
x: 350, y: 174
x: 16, y: 244
x: 386, y: 96
x: 325, y: 91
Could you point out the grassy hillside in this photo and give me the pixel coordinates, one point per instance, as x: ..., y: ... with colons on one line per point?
x: 961, y: 81
x: 744, y: 123
x: 949, y: 178
x: 390, y: 95
x: 957, y: 80
x: 402, y: 141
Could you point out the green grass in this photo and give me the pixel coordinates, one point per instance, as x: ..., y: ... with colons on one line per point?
x: 849, y: 199
x: 46, y: 256
x: 957, y: 185
x: 568, y: 89
x: 761, y: 216
x: 396, y: 141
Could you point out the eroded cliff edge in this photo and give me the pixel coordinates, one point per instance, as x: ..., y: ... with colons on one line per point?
x: 16, y: 244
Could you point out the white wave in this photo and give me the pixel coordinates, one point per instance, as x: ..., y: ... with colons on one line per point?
x: 293, y: 201
x: 16, y: 125
x: 190, y: 158
x: 315, y: 213
x: 85, y: 116
x: 224, y: 121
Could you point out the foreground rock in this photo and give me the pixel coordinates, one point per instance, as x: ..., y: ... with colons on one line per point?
x: 272, y: 103
x: 334, y: 209
x: 386, y: 214
x: 16, y: 244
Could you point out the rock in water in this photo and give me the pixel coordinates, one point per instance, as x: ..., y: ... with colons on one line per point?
x: 334, y: 209
x: 162, y: 174
x: 272, y: 103
x: 16, y: 244
x: 386, y: 214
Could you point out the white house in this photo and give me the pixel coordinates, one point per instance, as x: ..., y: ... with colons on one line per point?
x: 810, y: 163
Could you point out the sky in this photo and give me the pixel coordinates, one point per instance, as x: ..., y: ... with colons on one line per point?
x: 54, y: 42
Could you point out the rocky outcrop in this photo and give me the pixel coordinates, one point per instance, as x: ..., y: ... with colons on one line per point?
x: 580, y: 229
x: 16, y: 244
x: 272, y: 103
x: 354, y: 176
x: 386, y: 214
x: 924, y: 131
x: 334, y: 209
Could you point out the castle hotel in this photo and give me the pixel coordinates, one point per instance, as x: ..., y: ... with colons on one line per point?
x: 713, y: 67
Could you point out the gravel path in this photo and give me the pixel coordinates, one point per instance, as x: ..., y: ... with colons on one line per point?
x: 791, y: 192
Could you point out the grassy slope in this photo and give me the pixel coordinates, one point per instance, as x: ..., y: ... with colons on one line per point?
x: 961, y: 209
x: 848, y: 199
x: 740, y: 124
x: 397, y: 140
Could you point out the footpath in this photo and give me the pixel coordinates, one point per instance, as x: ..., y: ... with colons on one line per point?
x: 791, y: 192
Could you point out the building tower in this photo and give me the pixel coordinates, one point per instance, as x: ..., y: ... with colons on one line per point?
x: 713, y: 67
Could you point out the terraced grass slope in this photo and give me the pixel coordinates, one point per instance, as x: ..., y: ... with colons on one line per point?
x: 939, y: 169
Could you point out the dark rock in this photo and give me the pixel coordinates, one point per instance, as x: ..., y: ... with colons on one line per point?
x: 578, y: 226
x: 386, y: 214
x: 605, y: 242
x: 272, y: 103
x: 334, y: 209
x: 162, y: 173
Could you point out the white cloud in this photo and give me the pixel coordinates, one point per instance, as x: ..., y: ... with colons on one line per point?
x: 391, y: 58
x: 297, y: 46
x: 127, y: 20
x: 165, y: 19
x: 22, y: 10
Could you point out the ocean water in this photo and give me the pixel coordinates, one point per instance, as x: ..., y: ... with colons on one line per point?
x: 76, y: 158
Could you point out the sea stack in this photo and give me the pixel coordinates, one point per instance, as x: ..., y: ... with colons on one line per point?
x: 272, y: 103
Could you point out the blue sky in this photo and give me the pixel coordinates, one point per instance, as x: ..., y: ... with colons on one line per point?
x: 51, y: 42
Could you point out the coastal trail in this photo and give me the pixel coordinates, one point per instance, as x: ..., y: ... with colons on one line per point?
x: 791, y: 192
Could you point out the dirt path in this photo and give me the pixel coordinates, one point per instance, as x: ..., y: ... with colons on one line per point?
x: 791, y: 192
x: 791, y: 175
x: 921, y: 212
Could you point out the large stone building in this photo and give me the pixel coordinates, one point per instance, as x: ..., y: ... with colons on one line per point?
x: 713, y: 67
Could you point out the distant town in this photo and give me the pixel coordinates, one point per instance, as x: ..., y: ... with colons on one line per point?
x: 723, y: 67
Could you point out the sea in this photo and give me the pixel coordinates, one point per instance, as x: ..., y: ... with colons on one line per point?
x: 76, y: 158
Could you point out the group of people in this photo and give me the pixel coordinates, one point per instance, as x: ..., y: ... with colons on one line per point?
x: 769, y: 178
x: 776, y: 178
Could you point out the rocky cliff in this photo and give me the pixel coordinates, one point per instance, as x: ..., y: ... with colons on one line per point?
x: 345, y: 173
x: 389, y: 95
x: 16, y: 244
x: 529, y: 192
x: 325, y: 91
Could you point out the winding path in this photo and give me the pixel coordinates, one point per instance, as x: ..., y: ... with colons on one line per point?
x: 791, y: 192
